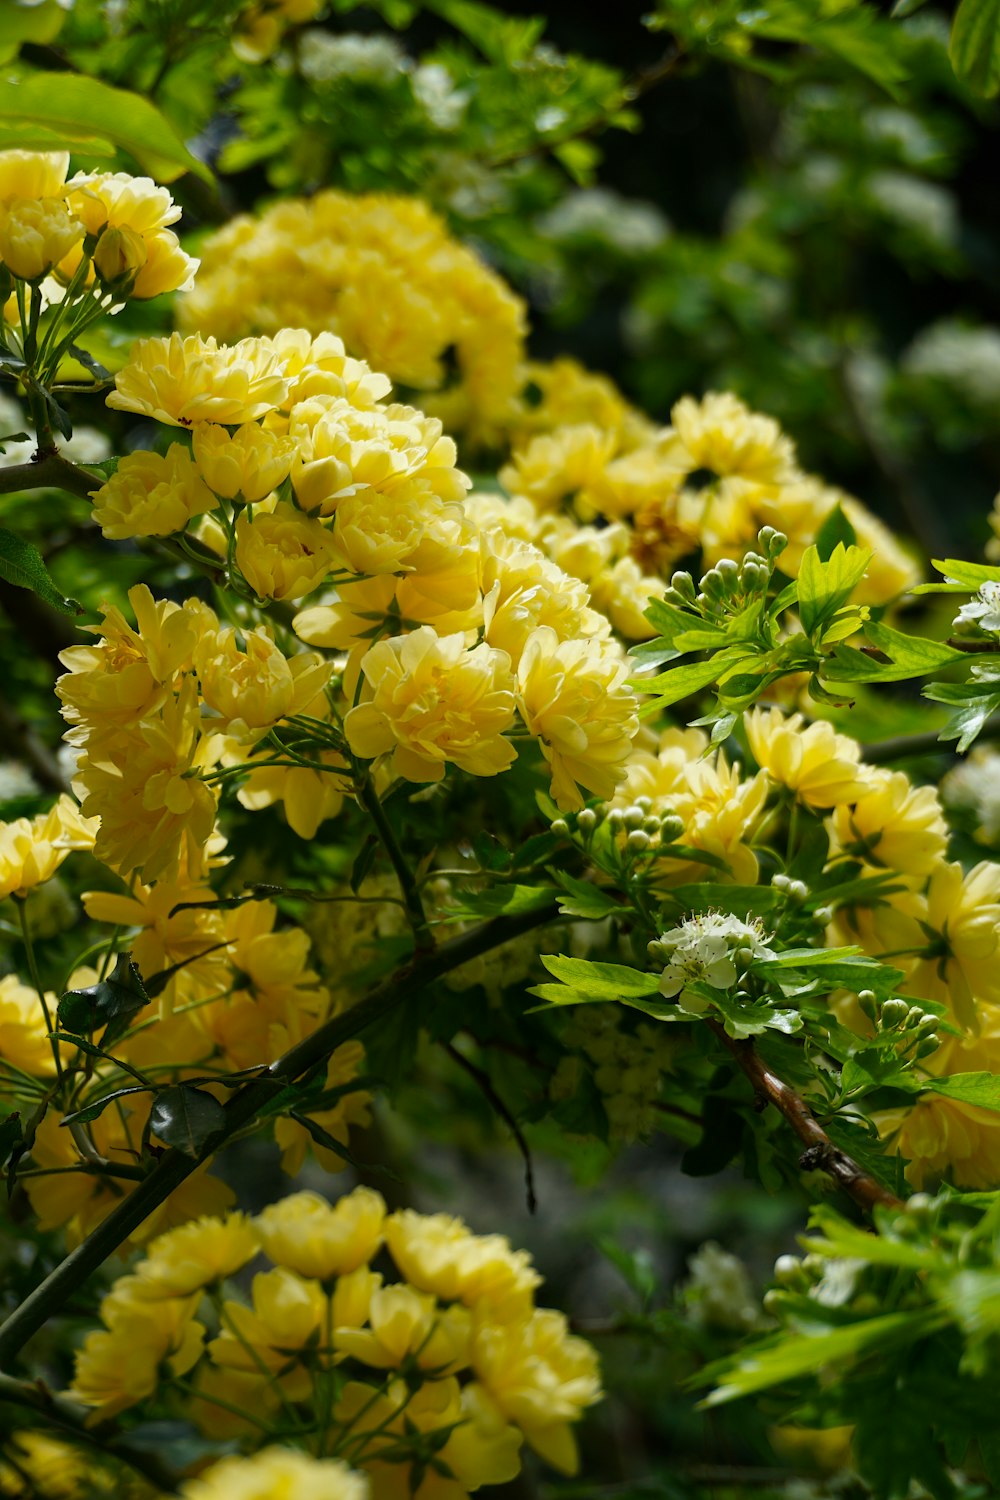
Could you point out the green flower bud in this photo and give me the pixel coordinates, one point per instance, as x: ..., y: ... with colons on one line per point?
x: 637, y: 841
x: 894, y: 1014
x: 586, y: 820
x: 684, y: 584
x: 671, y: 828
x: 868, y: 1003
x: 560, y: 828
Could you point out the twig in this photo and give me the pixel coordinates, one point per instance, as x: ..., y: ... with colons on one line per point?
x: 903, y: 746
x: 174, y: 1167
x: 820, y: 1153
x: 484, y: 1082
x: 372, y: 803
x: 49, y: 471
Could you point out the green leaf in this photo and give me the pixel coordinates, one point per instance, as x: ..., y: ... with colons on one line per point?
x: 96, y: 1109
x: 79, y: 110
x: 584, y: 899
x: 872, y: 1068
x: 744, y: 900
x: 680, y: 682
x: 186, y: 1118
x: 974, y: 48
x: 601, y: 981
x: 835, y: 528
x: 981, y: 1089
x: 825, y: 586
x: 21, y: 564
x: 500, y: 38
x: 500, y: 900
x: 20, y: 23
x: 742, y: 1020
x: 110, y: 1003
x: 10, y: 1135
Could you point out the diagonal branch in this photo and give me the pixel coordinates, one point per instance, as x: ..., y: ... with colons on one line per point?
x: 820, y: 1153
x: 243, y: 1108
x: 484, y: 1082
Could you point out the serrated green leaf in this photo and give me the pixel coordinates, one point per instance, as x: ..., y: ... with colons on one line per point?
x: 79, y: 110
x: 96, y: 1109
x: 21, y: 564
x: 186, y: 1118
x: 823, y: 587
x: 583, y: 899
x: 980, y: 1089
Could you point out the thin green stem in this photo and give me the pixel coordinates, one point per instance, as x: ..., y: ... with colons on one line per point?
x: 29, y: 949
x: 404, y: 984
x: 371, y: 802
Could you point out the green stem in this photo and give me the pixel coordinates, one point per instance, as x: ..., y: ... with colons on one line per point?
x: 50, y: 471
x: 927, y: 742
x: 29, y: 948
x: 175, y: 1167
x: 370, y: 801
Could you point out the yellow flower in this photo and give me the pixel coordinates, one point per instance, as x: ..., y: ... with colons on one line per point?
x: 248, y: 463
x: 406, y: 1324
x: 309, y: 796
x: 432, y: 700
x: 254, y: 687
x: 555, y: 465
x: 288, y: 1317
x: 277, y: 1474
x: 183, y: 381
x: 719, y: 811
x: 33, y: 174
x: 815, y: 762
x: 130, y: 215
x: 57, y: 1470
x: 151, y: 495
x: 623, y: 593
x: 24, y: 1035
x: 283, y: 554
x: 574, y: 697
x: 541, y: 1378
x: 123, y: 678
x: 720, y: 433
x: 524, y: 590
x: 31, y: 851
x: 153, y: 814
x: 119, y: 256
x: 321, y: 366
x: 196, y: 1255
x: 35, y: 234
x: 440, y: 1255
x: 893, y: 823
x: 381, y: 533
x: 307, y: 1234
x: 120, y: 1366
x: 944, y: 1137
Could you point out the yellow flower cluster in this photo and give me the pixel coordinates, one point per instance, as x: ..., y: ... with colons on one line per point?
x: 384, y: 274
x: 937, y: 922
x: 32, y: 849
x: 105, y: 230
x: 706, y: 483
x: 261, y: 26
x: 455, y: 1355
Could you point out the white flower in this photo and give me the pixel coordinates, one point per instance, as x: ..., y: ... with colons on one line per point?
x: 719, y: 1293
x: 710, y: 949
x: 324, y: 58
x: 984, y: 610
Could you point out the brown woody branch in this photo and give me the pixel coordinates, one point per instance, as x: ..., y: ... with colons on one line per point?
x: 820, y: 1153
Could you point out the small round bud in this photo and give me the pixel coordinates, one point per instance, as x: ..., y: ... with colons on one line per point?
x: 928, y: 1044
x: 814, y: 1266
x: 868, y: 1003
x: 616, y: 817
x: 714, y: 585
x: 823, y: 915
x: 684, y: 584
x: 894, y: 1014
x: 728, y: 570
x: 560, y: 828
x: 651, y: 823
x: 773, y: 1301
x: 780, y: 882
x: 797, y: 890
x: 754, y: 560
x: 656, y: 950
x: 914, y: 1016
x: 632, y: 817
x: 771, y: 542
x: 744, y: 956
x: 788, y: 1272
x: 637, y: 841
x: 671, y: 596
x: 919, y: 1205
x: 586, y: 820
x: 119, y: 256
x: 645, y: 803
x: 671, y: 828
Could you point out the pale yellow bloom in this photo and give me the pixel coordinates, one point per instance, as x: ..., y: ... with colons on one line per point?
x: 573, y: 696
x: 248, y: 463
x: 431, y: 700
x: 134, y: 212
x: 320, y: 366
x: 24, y: 1039
x: 315, y: 1238
x: 892, y: 823
x: 33, y: 174
x: 541, y: 1377
x: 278, y: 1332
x: 623, y: 593
x: 120, y: 1367
x: 35, y: 235
x: 820, y: 766
x: 196, y: 1255
x: 277, y: 1474
x: 405, y: 1323
x: 439, y: 1254
x: 523, y: 590
x: 183, y: 381
x: 31, y: 850
x: 720, y: 433
x: 944, y: 1137
x: 283, y: 554
x: 249, y: 682
x: 151, y: 495
x: 555, y: 465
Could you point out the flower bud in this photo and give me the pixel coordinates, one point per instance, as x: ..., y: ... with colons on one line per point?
x: 120, y: 253
x: 788, y: 1272
x: 868, y: 1003
x: 586, y: 820
x: 797, y: 890
x: 632, y: 817
x: 651, y: 823
x: 919, y: 1205
x: 772, y: 543
x: 894, y: 1014
x: 644, y: 803
x: 560, y: 828
x: 637, y: 841
x: 928, y: 1044
x: 684, y: 585
x: 615, y: 818
x: 714, y: 585
x: 671, y: 828
x: 780, y: 882
x: 823, y: 915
